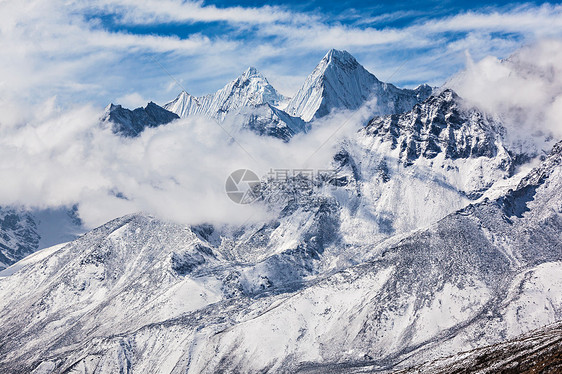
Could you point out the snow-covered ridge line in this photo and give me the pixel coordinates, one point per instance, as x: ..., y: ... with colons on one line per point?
x: 250, y: 102
x: 338, y: 82
x: 249, y: 89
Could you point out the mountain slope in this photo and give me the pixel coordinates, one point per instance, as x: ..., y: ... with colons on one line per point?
x: 131, y: 123
x: 539, y: 351
x: 144, y: 295
x: 474, y: 278
x: 340, y: 82
x: 267, y: 120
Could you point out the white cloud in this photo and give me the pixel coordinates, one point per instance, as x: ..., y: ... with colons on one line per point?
x: 151, y: 11
x: 538, y: 20
x: 59, y: 47
x: 176, y: 172
x: 525, y: 90
x: 49, y: 47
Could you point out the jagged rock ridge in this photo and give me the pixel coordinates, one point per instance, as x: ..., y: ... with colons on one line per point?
x: 131, y: 123
x: 248, y: 90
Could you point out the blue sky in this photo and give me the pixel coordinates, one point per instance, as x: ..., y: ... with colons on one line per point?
x: 127, y: 51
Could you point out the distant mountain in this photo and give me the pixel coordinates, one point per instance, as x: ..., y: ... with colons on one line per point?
x: 340, y: 82
x: 24, y: 231
x: 247, y: 103
x: 131, y: 123
x: 248, y: 90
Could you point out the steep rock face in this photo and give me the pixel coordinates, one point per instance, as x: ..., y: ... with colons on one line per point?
x: 131, y: 123
x: 440, y: 124
x: 340, y: 82
x: 403, y: 172
x: 266, y: 120
x: 18, y: 236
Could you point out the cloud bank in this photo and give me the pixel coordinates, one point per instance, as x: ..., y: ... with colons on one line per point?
x: 176, y: 172
x: 524, y: 90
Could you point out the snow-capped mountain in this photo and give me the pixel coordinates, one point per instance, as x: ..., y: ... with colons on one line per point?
x: 336, y: 281
x: 248, y: 90
x: 340, y: 82
x: 249, y: 102
x: 476, y: 277
x: 439, y: 125
x: 402, y: 172
x: 131, y: 123
x: 24, y: 231
x: 141, y: 295
x: 433, y: 237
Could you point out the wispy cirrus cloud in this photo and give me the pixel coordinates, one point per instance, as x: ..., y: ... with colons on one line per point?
x: 71, y: 50
x: 151, y: 11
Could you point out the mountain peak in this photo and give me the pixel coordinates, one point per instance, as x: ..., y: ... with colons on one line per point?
x: 335, y: 55
x: 444, y: 96
x: 249, y: 89
x: 443, y: 124
x: 111, y: 107
x: 339, y: 82
x: 252, y: 72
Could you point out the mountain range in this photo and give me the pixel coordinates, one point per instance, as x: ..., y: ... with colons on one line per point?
x: 435, y: 248
x: 338, y: 82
